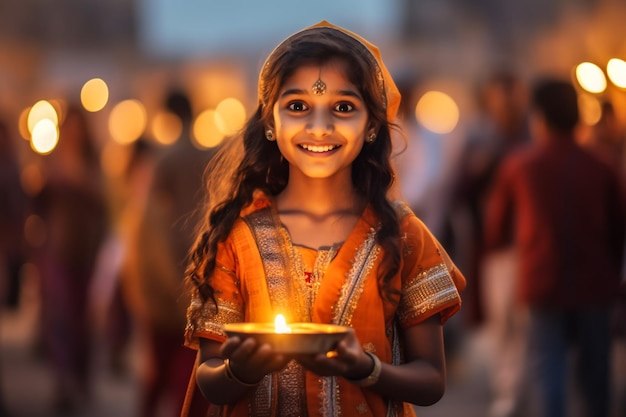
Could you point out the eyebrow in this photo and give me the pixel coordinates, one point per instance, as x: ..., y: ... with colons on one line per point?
x: 298, y: 91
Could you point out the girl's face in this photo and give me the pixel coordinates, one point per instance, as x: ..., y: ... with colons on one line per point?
x: 320, y: 120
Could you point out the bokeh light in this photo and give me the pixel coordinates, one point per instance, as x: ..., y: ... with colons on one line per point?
x: 166, y: 127
x: 127, y: 121
x: 590, y: 77
x: 230, y: 116
x: 437, y: 112
x: 94, y: 95
x: 42, y: 109
x: 616, y: 69
x: 206, y: 134
x: 45, y: 136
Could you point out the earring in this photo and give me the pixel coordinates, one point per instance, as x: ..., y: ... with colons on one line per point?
x: 371, y: 137
x: 269, y: 135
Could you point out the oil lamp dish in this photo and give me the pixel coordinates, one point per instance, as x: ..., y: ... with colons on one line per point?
x: 308, y: 338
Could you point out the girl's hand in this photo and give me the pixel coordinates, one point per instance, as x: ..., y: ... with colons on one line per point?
x: 348, y: 360
x: 251, y: 361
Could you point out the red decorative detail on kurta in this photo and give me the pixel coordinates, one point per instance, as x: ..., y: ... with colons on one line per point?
x: 307, y: 277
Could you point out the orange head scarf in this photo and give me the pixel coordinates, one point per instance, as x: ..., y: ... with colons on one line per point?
x: 389, y: 91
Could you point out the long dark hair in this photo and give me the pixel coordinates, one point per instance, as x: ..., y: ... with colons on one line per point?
x: 261, y: 167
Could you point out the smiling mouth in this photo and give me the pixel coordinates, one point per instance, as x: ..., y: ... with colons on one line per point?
x: 319, y: 149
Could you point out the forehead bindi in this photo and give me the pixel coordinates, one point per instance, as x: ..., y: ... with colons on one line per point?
x: 319, y: 80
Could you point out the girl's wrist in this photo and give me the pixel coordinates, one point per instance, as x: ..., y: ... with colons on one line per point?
x: 231, y: 376
x: 372, y: 377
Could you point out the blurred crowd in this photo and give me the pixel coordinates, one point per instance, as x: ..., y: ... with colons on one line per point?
x: 108, y: 255
x: 533, y: 206
x: 108, y: 258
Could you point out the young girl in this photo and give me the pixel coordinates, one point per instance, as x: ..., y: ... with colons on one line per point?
x: 304, y: 227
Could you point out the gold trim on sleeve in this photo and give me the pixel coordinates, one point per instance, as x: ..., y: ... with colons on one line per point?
x: 430, y: 290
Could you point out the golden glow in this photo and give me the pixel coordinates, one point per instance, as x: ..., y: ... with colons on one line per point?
x: 590, y: 77
x: 616, y: 69
x: 437, y: 112
x: 42, y: 109
x: 94, y: 95
x: 230, y: 116
x: 280, y: 324
x: 45, y: 137
x: 127, y: 121
x: 166, y: 128
x: 205, y: 131
x: 590, y: 109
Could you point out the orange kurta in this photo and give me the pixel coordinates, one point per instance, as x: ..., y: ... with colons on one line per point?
x: 259, y: 274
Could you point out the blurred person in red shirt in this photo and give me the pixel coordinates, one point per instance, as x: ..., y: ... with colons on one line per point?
x: 563, y: 208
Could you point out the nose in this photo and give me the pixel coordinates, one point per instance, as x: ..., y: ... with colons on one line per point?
x: 319, y: 123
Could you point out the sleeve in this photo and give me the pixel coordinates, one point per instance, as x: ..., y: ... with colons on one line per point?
x: 206, y: 319
x: 431, y: 283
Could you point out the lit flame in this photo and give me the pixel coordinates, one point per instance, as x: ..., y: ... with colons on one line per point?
x: 280, y: 324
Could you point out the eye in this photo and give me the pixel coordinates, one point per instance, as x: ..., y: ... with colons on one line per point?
x: 297, y: 106
x: 344, y: 107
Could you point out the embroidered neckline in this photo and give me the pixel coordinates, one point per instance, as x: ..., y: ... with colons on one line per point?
x: 307, y: 282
